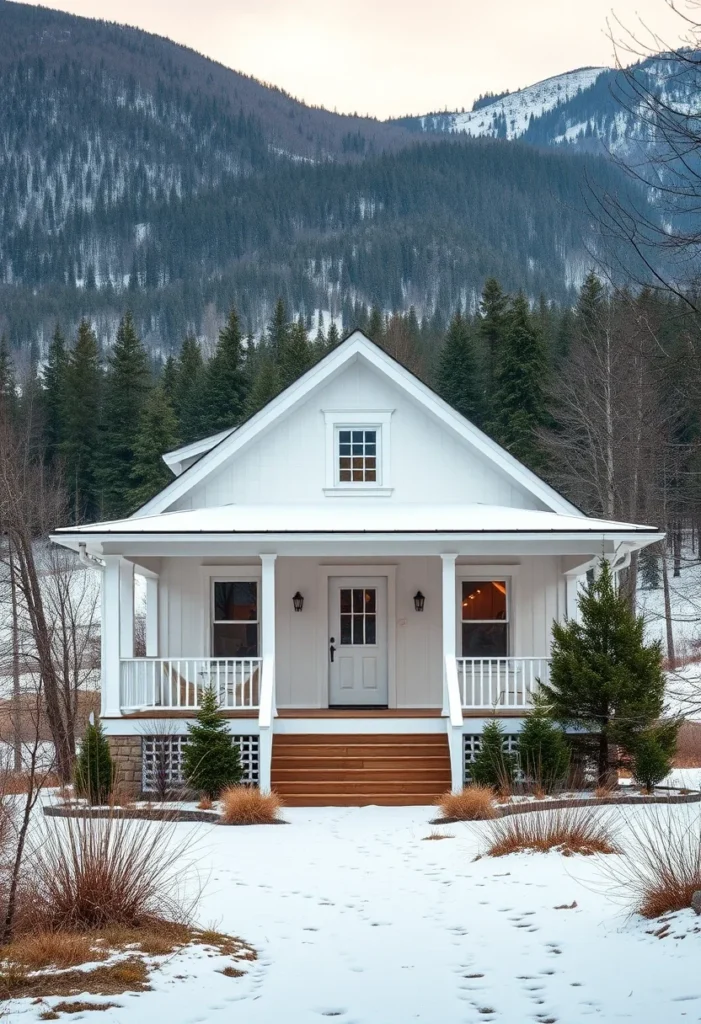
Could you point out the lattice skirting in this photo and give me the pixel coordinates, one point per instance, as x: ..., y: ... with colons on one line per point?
x: 162, y: 761
x: 472, y: 743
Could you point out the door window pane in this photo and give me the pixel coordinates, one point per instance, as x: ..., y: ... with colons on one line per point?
x: 358, y: 607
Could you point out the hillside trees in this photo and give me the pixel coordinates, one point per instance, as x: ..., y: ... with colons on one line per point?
x: 78, y: 403
x: 458, y: 379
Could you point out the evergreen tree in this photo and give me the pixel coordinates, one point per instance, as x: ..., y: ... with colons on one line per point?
x: 168, y: 378
x: 225, y: 385
x: 80, y: 400
x: 94, y: 770
x: 649, y: 564
x: 492, y: 328
x: 519, y: 406
x: 493, y: 765
x: 457, y: 380
x: 266, y: 385
x: 8, y: 385
x: 653, y: 754
x: 543, y: 750
x: 333, y: 338
x: 188, y: 393
x: 605, y: 680
x: 158, y: 433
x: 376, y: 326
x: 211, y: 762
x: 278, y: 330
x: 296, y: 354
x: 54, y: 381
x: 127, y: 384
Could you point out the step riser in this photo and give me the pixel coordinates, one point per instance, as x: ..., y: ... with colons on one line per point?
x: 397, y: 764
x: 438, y: 777
x: 394, y: 800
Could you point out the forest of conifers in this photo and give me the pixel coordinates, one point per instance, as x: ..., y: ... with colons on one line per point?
x: 601, y: 400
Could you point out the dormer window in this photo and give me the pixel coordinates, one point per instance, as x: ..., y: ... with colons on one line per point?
x: 358, y: 453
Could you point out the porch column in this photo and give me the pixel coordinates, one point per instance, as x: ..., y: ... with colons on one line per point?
x: 449, y: 617
x: 151, y: 616
x: 126, y: 608
x: 571, y: 588
x: 268, y: 709
x: 109, y: 629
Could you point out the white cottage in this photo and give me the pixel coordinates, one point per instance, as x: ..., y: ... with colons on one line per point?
x: 362, y: 575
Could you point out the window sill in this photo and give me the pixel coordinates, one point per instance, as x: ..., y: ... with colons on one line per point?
x: 358, y: 492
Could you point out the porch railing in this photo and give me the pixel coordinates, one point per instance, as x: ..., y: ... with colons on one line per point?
x: 500, y: 682
x: 178, y: 683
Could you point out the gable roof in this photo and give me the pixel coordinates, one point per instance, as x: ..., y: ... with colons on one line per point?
x: 211, y: 453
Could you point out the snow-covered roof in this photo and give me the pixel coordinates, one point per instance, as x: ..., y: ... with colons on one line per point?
x: 187, y: 453
x: 357, y: 518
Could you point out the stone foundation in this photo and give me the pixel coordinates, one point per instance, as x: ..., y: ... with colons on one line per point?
x: 126, y: 756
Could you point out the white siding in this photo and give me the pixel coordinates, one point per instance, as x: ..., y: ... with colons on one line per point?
x: 287, y: 464
x: 538, y: 597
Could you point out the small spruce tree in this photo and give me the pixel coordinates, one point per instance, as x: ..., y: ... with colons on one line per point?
x: 493, y: 766
x: 605, y: 680
x: 543, y: 750
x: 653, y: 755
x: 94, y: 770
x: 211, y: 762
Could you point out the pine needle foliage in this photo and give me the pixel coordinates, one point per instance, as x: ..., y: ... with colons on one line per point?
x: 211, y: 762
x: 493, y: 765
x: 605, y: 680
x: 94, y: 770
x: 543, y: 750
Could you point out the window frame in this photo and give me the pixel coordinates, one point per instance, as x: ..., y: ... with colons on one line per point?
x: 486, y: 574
x: 213, y: 621
x: 371, y: 419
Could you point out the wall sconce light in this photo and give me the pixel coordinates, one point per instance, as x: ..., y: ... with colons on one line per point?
x: 419, y: 601
x: 298, y: 602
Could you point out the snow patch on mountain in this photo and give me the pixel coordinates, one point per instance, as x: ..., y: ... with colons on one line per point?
x: 510, y: 116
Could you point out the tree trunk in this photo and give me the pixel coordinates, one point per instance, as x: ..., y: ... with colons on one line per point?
x: 16, y: 693
x: 667, y: 610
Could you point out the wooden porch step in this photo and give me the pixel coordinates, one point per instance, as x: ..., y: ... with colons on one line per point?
x: 357, y: 770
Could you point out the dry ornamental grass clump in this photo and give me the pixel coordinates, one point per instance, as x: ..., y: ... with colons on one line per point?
x: 569, y: 830
x: 662, y: 867
x: 246, y: 805
x: 474, y: 803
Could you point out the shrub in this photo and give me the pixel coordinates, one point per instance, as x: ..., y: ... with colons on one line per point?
x: 662, y: 867
x: 651, y: 761
x: 493, y: 766
x: 543, y: 751
x: 246, y: 805
x: 90, y: 872
x: 94, y: 771
x: 569, y: 830
x: 211, y: 762
x: 475, y: 803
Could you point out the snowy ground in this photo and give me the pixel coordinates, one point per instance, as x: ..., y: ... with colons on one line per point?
x: 356, y: 917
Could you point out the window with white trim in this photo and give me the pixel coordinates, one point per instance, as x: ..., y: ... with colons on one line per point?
x: 235, y: 624
x: 484, y: 614
x: 357, y: 452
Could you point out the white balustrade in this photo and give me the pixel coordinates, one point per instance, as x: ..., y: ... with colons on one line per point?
x: 500, y: 682
x: 178, y: 683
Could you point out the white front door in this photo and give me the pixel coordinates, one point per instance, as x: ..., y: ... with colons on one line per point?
x: 357, y: 641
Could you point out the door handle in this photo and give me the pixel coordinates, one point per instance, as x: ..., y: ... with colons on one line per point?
x: 332, y: 649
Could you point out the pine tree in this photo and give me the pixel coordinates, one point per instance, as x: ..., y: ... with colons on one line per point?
x: 653, y: 754
x: 225, y: 384
x: 493, y: 765
x: 188, y: 393
x: 127, y: 383
x: 605, y: 680
x: 8, y: 384
x: 492, y: 328
x: 457, y: 379
x: 376, y: 326
x: 296, y: 355
x: 519, y: 407
x: 333, y: 338
x: 211, y: 762
x: 278, y: 330
x: 168, y: 378
x: 54, y: 381
x: 542, y: 749
x: 649, y: 565
x: 80, y: 417
x: 266, y: 385
x: 158, y: 433
x: 94, y: 770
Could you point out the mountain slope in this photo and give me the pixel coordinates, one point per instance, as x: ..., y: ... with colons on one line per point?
x: 136, y: 173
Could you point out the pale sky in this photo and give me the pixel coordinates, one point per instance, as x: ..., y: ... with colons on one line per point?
x: 391, y: 57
